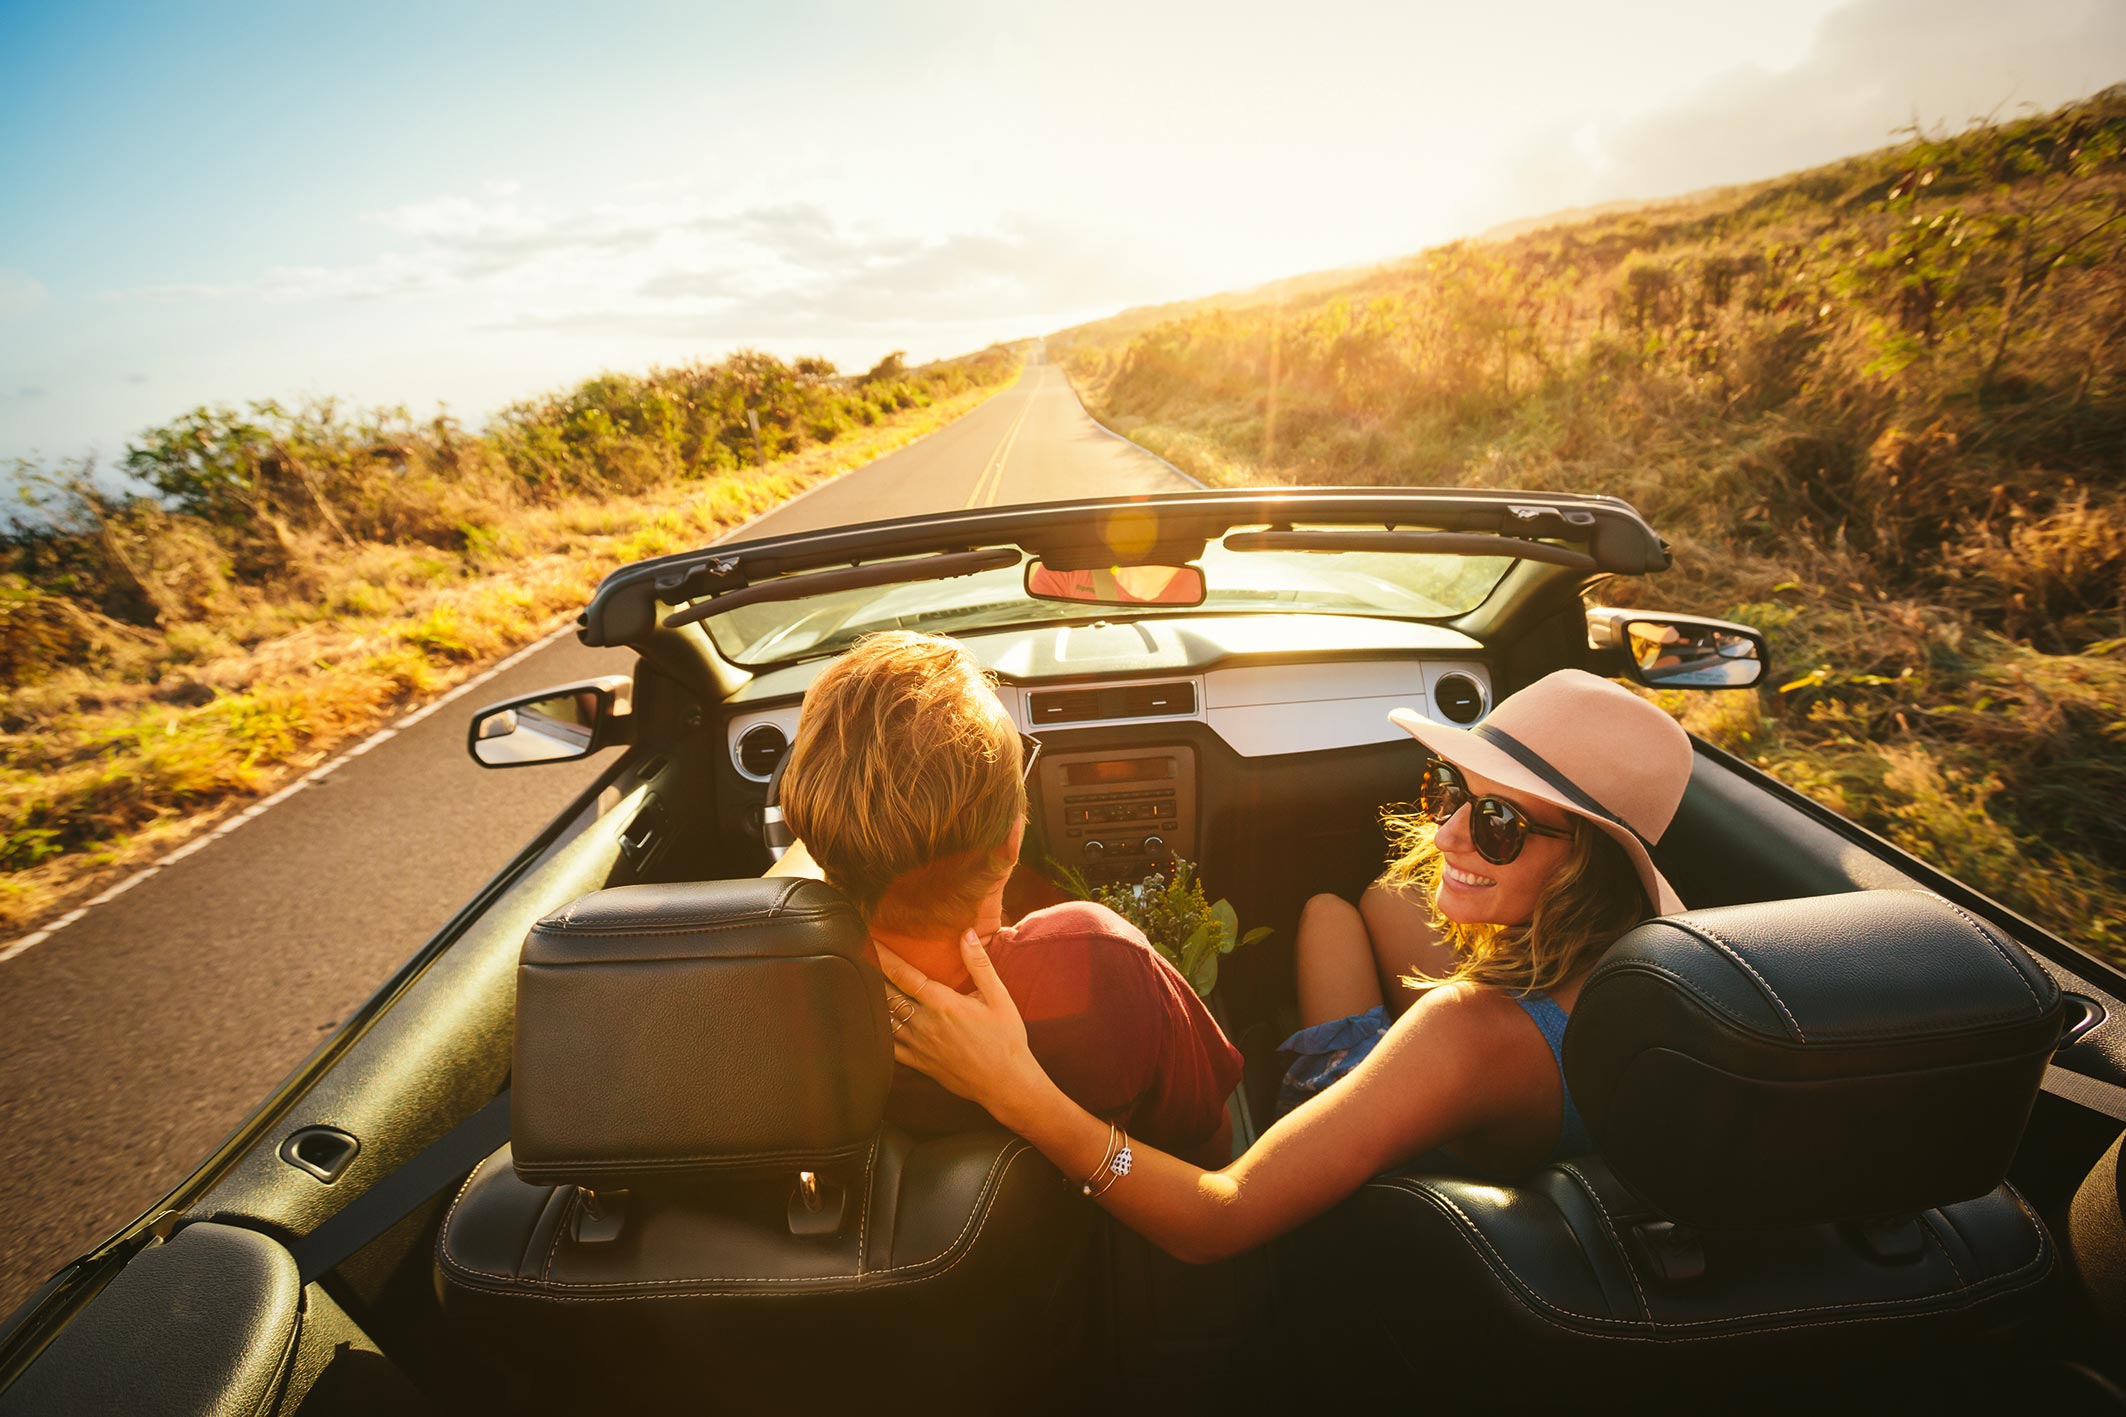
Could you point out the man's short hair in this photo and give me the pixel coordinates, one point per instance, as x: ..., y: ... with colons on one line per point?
x: 905, y: 781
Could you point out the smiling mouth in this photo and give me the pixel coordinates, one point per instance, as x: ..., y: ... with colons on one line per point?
x: 1466, y: 878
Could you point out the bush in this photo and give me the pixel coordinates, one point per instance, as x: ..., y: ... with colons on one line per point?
x: 1885, y: 400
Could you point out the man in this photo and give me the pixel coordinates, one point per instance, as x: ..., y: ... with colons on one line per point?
x: 905, y: 787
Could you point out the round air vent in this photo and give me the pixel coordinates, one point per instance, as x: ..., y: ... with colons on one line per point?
x: 760, y: 748
x: 1458, y: 698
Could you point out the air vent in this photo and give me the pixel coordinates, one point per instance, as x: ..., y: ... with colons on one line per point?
x: 760, y: 748
x: 1458, y: 698
x: 1122, y: 701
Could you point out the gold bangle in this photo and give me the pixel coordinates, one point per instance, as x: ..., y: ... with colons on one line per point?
x: 1117, y: 1167
x: 1106, y: 1155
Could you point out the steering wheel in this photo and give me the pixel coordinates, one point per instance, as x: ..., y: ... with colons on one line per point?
x: 775, y: 833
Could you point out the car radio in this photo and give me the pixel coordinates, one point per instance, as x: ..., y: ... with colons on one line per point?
x: 1116, y: 814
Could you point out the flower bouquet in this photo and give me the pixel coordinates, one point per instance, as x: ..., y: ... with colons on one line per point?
x: 1192, y: 933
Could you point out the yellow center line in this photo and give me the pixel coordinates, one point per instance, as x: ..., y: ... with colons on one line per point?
x: 992, y: 479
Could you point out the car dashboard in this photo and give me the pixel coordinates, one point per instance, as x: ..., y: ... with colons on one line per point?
x: 1150, y: 727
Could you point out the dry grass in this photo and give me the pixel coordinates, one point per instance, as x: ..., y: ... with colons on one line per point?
x: 1879, y: 409
x: 109, y: 762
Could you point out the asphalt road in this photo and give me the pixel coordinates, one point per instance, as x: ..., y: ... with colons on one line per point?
x: 135, y: 1039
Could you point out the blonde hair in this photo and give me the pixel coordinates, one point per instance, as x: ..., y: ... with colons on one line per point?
x: 1586, y: 905
x: 904, y: 782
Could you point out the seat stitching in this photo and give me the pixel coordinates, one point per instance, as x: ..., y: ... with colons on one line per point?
x: 733, y: 1161
x: 1987, y: 936
x: 1928, y: 1231
x: 568, y: 1204
x: 1471, y: 1227
x: 443, y: 1236
x: 1624, y: 966
x: 1680, y: 1337
x: 1659, y: 1337
x: 992, y: 1183
x: 1614, y: 1238
x: 1689, y: 985
x: 863, y: 1209
x: 1400, y: 1183
x: 2043, y: 1235
x: 1713, y: 938
x: 705, y: 927
x: 821, y: 1281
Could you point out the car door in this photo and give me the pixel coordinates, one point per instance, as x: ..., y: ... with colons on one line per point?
x: 429, y: 1049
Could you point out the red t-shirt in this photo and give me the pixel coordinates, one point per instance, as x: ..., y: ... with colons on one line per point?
x: 1115, y: 1025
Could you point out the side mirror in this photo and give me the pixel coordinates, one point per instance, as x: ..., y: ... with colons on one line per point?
x: 1664, y: 651
x: 1117, y: 585
x: 553, y: 725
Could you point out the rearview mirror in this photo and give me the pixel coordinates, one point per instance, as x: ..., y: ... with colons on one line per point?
x: 1117, y: 585
x: 1664, y: 651
x: 553, y: 725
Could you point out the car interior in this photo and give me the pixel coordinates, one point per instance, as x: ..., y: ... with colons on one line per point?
x: 1857, y: 1126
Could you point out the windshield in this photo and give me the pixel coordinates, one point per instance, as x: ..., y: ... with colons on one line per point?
x: 1398, y: 586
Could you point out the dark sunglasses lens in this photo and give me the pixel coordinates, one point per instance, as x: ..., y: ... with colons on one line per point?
x: 1441, y: 793
x: 1497, y: 829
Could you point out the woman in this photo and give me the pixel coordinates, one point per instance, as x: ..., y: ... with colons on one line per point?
x: 1537, y: 861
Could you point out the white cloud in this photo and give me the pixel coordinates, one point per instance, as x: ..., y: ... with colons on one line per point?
x: 1875, y: 67
x: 20, y: 293
x: 666, y: 263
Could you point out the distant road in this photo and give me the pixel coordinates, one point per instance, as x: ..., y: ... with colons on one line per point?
x: 133, y: 1041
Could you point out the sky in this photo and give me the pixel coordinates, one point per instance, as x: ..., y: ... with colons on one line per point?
x: 463, y: 205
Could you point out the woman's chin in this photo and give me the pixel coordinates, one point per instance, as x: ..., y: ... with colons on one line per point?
x: 1464, y: 905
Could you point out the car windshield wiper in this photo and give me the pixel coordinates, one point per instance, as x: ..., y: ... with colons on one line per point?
x: 801, y: 587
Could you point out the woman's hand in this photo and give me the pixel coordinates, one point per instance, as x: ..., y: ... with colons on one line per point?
x: 974, y: 1044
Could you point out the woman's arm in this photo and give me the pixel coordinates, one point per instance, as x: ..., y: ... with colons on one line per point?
x: 1425, y: 1084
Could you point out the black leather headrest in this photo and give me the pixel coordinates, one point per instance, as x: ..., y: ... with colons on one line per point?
x: 1839, y: 1057
x: 666, y: 1032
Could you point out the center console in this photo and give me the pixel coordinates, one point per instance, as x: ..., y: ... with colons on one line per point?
x: 1115, y: 814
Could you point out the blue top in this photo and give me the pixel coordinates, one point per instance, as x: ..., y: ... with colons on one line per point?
x: 1572, y: 1135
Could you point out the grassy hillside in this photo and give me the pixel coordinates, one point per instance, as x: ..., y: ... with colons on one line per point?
x: 266, y: 583
x: 1879, y: 407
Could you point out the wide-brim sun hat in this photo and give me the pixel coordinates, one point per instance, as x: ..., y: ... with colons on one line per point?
x: 1586, y: 746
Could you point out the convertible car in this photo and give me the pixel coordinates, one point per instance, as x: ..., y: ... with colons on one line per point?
x: 616, y: 1138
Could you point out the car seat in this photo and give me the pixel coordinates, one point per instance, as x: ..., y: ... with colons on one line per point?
x: 1802, y: 1112
x: 701, y: 1202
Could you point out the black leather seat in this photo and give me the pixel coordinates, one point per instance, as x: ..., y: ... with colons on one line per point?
x: 1804, y: 1112
x: 701, y: 1202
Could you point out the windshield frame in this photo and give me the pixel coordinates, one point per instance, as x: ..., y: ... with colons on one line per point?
x: 631, y: 603
x: 768, y: 633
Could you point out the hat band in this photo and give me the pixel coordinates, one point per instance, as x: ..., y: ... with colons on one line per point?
x: 1528, y: 758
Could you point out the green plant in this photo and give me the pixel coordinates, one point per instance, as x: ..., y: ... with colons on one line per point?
x: 1190, y: 932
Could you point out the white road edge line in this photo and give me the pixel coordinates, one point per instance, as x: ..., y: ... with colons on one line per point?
x: 25, y: 943
x: 1072, y: 385
x: 257, y: 809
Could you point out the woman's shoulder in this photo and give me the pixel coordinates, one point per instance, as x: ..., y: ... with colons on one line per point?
x: 1486, y: 1015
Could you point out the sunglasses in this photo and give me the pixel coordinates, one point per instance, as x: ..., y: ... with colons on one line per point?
x: 1029, y: 749
x: 1497, y: 827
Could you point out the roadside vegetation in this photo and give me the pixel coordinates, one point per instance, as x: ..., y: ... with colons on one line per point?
x: 261, y: 584
x: 1879, y: 408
